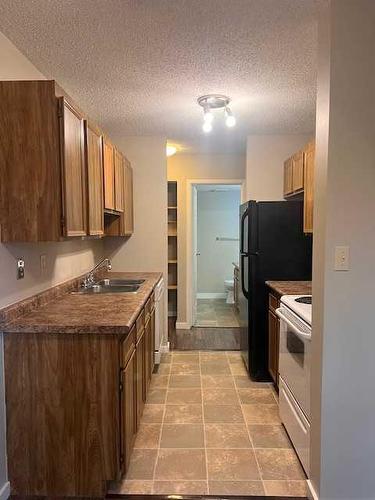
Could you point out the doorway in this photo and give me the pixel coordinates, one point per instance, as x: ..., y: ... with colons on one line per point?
x: 212, y: 251
x: 217, y: 245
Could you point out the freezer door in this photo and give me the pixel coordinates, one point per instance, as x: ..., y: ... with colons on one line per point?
x: 244, y: 235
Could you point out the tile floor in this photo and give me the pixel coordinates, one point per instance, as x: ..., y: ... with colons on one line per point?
x: 216, y: 313
x: 208, y: 429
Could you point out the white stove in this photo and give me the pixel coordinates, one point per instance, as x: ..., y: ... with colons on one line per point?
x: 294, y: 370
x: 299, y: 304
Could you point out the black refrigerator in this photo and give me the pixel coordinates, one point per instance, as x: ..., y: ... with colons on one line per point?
x: 274, y: 247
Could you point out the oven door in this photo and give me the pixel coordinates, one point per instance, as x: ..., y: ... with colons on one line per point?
x: 295, y: 357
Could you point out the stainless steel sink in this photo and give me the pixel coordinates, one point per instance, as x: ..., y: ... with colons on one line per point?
x: 111, y: 285
x: 118, y: 282
x: 110, y: 288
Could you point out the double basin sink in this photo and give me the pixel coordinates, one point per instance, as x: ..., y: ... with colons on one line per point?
x: 112, y: 286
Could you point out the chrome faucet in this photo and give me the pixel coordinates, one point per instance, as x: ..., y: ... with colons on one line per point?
x: 89, y: 278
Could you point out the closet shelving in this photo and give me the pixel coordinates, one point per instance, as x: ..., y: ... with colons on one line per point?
x: 172, y: 248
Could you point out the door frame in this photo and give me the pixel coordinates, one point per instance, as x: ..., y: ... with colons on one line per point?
x: 190, y: 185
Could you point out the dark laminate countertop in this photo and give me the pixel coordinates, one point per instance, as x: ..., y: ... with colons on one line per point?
x: 290, y: 287
x: 101, y: 313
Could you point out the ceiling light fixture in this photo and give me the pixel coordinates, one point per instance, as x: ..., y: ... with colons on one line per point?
x: 230, y: 120
x: 171, y: 150
x: 215, y: 101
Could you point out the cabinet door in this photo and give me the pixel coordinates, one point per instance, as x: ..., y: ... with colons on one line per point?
x: 119, y: 182
x: 308, y: 209
x: 152, y: 350
x: 288, y: 177
x: 140, y: 375
x: 297, y: 174
x: 129, y: 208
x: 95, y: 181
x: 73, y: 170
x: 128, y: 411
x: 273, y: 346
x: 109, y: 175
x: 147, y: 353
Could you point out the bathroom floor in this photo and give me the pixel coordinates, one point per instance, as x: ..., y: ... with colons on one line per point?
x: 216, y: 313
x: 208, y: 429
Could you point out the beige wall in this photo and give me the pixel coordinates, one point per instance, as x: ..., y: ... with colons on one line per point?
x: 147, y: 249
x: 343, y: 402
x: 206, y: 166
x: 65, y: 260
x: 265, y: 155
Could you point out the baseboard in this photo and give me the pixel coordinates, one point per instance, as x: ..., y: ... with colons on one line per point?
x: 5, y: 491
x: 312, y: 493
x: 183, y: 326
x: 211, y: 295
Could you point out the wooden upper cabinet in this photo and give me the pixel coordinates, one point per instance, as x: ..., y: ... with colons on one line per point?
x: 58, y: 174
x: 288, y: 177
x: 297, y: 162
x: 30, y: 186
x: 129, y: 208
x: 119, y: 182
x: 309, y: 161
x: 94, y: 158
x: 73, y: 170
x: 109, y: 174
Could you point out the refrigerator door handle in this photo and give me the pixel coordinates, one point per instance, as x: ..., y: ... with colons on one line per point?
x: 244, y: 215
x: 244, y: 291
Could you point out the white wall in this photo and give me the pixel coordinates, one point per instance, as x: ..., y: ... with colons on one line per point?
x: 65, y: 260
x: 217, y: 216
x: 343, y: 402
x: 147, y: 249
x: 265, y: 156
x: 196, y: 166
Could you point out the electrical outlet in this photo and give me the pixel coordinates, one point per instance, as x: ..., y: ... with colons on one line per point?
x: 43, y: 263
x: 20, y: 268
x: 341, y: 258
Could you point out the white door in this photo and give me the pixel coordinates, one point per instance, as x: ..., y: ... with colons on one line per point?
x: 195, y: 251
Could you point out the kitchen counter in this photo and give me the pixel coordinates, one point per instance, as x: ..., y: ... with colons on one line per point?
x: 290, y: 287
x: 85, y: 313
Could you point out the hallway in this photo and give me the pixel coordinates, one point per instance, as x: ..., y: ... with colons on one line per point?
x: 208, y: 429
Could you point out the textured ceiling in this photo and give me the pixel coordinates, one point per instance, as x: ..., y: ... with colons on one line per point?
x: 138, y: 66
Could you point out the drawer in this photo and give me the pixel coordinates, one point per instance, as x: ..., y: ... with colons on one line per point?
x: 273, y: 302
x: 295, y: 423
x: 128, y: 346
x: 140, y: 323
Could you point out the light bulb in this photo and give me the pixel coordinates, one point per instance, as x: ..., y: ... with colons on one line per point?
x: 208, y: 116
x: 171, y: 150
x: 230, y: 119
x: 207, y: 127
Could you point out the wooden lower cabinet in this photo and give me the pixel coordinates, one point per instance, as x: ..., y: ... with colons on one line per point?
x: 73, y: 407
x: 273, y: 339
x: 128, y: 409
x: 140, y: 377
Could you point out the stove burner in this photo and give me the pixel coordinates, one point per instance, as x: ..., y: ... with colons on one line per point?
x: 304, y: 300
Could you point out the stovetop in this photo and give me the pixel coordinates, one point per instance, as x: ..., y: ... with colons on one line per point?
x: 300, y: 305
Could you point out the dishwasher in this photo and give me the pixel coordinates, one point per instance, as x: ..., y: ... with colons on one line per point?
x: 159, y: 320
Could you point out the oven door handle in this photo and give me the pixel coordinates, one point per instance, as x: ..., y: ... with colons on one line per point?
x: 302, y: 335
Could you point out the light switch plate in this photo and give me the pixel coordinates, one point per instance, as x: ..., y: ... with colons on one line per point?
x: 342, y: 258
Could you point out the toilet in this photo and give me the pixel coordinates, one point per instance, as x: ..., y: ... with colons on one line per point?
x: 229, y: 290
